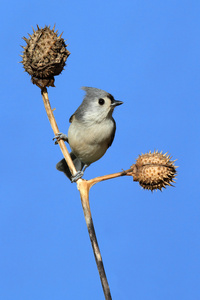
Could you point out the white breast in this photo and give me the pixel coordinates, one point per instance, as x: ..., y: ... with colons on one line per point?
x: 90, y: 143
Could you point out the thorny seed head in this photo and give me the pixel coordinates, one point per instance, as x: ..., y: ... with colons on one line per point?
x: 44, y: 55
x: 154, y: 170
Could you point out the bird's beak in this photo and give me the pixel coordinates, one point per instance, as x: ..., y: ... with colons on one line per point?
x: 116, y: 103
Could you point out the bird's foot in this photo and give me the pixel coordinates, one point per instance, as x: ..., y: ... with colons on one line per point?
x: 60, y: 136
x: 77, y: 176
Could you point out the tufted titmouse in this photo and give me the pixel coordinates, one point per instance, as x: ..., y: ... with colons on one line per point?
x: 91, y: 132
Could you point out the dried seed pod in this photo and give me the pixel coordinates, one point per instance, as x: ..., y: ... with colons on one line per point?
x: 44, y: 56
x: 154, y: 170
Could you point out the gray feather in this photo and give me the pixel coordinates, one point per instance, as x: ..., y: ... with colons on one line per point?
x: 91, y: 94
x: 63, y: 166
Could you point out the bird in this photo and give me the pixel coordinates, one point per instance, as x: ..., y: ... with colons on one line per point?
x: 91, y: 132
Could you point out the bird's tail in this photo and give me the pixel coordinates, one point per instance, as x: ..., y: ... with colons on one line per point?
x: 63, y: 166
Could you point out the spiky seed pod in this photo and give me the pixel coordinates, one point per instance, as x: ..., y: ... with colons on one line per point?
x: 44, y: 56
x: 154, y: 170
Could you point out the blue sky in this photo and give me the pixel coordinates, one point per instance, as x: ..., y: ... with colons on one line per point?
x: 147, y: 54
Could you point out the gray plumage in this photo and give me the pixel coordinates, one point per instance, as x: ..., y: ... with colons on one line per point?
x: 92, y: 129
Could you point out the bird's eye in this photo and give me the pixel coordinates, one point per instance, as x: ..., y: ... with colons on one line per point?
x: 101, y: 101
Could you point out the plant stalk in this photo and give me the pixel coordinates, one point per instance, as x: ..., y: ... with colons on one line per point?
x: 56, y: 130
x: 83, y: 188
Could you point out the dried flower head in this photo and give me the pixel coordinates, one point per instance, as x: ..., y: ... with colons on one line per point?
x: 44, y: 56
x: 154, y: 170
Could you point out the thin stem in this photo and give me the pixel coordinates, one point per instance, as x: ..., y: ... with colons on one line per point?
x: 95, y: 180
x: 83, y: 187
x: 56, y: 130
x: 84, y: 193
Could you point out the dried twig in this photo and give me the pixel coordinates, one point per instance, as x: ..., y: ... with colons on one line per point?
x: 83, y: 187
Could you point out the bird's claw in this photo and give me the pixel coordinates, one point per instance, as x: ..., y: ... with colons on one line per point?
x: 77, y: 176
x: 60, y: 136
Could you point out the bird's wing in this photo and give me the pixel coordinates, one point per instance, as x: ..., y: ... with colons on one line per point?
x: 71, y: 118
x: 113, y: 134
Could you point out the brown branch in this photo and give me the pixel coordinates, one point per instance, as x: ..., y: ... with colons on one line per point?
x: 56, y: 130
x: 95, y: 180
x: 83, y: 187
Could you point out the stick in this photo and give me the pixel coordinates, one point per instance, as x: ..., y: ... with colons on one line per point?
x: 83, y: 187
x: 56, y: 130
x: 84, y: 193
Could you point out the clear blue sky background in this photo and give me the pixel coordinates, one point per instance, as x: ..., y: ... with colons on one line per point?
x: 147, y: 54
